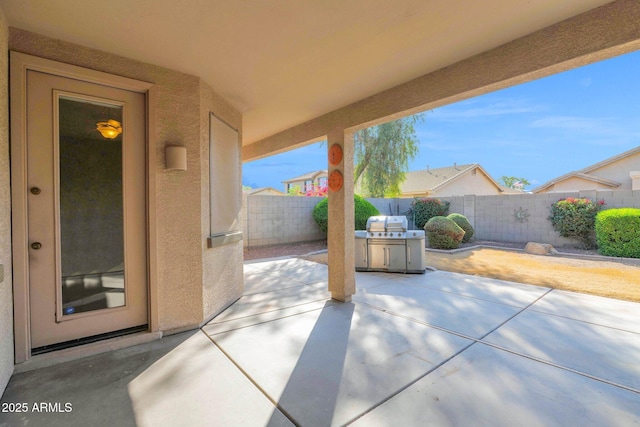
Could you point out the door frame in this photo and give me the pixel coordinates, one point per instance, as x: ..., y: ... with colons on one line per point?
x: 20, y: 63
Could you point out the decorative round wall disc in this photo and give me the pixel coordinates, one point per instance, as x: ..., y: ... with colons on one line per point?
x: 335, y: 180
x: 335, y: 154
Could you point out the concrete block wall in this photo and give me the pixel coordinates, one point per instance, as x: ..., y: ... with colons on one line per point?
x: 274, y: 220
x: 387, y: 206
x: 494, y: 217
x: 271, y: 220
x: 395, y: 206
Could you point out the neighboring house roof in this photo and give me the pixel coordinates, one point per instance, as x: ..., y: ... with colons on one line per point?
x: 307, y: 176
x: 586, y: 173
x: 610, y: 160
x: 264, y: 190
x: 509, y: 190
x: 430, y: 180
x: 592, y: 178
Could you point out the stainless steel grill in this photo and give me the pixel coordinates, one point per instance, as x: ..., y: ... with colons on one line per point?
x: 388, y: 246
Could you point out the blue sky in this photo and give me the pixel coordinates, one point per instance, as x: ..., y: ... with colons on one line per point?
x: 538, y: 130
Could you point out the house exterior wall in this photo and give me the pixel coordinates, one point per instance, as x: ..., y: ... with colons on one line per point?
x: 302, y: 184
x: 620, y: 171
x: 6, y: 285
x: 468, y: 183
x: 293, y: 184
x: 577, y: 184
x: 178, y: 260
x: 222, y: 272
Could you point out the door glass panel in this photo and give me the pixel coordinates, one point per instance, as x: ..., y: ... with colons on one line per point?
x: 91, y: 206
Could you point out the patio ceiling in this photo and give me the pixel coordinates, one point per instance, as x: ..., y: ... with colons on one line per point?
x: 283, y: 62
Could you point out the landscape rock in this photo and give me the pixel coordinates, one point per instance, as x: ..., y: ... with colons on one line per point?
x: 540, y: 249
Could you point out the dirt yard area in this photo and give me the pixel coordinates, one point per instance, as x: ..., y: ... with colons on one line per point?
x: 608, y: 277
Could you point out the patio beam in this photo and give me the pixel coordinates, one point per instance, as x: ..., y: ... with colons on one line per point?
x: 340, y: 236
x: 598, y: 34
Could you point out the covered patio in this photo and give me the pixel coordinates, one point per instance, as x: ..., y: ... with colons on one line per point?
x: 438, y: 349
x: 291, y: 342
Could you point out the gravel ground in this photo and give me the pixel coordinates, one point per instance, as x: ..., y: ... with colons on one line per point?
x: 292, y: 249
x: 304, y: 248
x: 517, y: 245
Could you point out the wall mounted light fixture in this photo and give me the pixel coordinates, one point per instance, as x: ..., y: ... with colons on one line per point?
x: 175, y: 158
x: 109, y: 129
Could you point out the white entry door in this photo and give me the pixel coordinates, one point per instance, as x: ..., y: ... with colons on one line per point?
x: 86, y: 210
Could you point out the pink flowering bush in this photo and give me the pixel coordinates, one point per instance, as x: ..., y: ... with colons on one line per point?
x: 575, y: 219
x: 317, y: 191
x: 311, y: 191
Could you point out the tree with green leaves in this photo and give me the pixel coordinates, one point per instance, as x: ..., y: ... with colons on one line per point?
x: 515, y: 182
x: 382, y: 156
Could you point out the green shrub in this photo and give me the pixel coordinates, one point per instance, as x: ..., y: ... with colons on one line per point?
x: 363, y: 210
x: 425, y: 209
x: 618, y: 232
x: 463, y: 223
x: 443, y: 233
x: 575, y: 219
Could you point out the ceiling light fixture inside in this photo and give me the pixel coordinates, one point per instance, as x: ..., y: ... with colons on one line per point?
x: 109, y: 129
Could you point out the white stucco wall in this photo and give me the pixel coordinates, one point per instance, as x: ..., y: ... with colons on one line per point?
x: 6, y: 294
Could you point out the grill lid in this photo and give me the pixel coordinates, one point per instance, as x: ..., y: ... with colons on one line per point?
x: 396, y: 223
x: 387, y: 223
x: 376, y: 223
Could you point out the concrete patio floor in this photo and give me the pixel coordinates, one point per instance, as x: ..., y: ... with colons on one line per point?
x: 439, y: 349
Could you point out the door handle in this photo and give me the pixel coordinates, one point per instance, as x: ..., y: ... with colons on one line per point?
x: 36, y: 245
x: 409, y: 254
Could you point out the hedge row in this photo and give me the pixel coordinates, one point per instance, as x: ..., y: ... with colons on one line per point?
x: 618, y: 232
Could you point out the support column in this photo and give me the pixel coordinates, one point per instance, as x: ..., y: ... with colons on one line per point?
x: 340, y: 236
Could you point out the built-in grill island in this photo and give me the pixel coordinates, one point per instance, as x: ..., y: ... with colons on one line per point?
x: 387, y: 245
